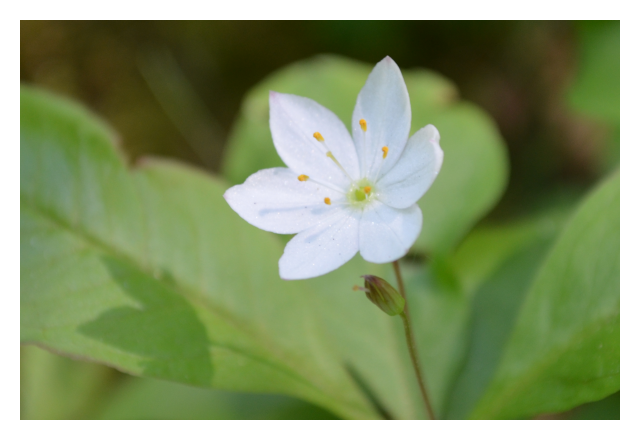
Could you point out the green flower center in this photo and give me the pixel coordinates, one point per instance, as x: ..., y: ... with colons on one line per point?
x: 360, y: 193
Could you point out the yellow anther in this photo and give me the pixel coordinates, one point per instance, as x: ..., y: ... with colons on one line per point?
x: 327, y: 201
x: 363, y: 124
x: 303, y: 177
x: 318, y: 136
x: 367, y: 189
x: 385, y: 151
x: 355, y: 288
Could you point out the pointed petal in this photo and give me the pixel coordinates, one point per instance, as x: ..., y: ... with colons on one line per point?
x: 321, y: 248
x: 386, y: 233
x: 414, y: 173
x: 293, y: 121
x: 384, y: 103
x: 276, y: 201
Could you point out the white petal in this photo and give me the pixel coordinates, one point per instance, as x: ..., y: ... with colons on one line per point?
x: 321, y: 248
x: 386, y: 233
x: 384, y: 103
x: 275, y: 200
x: 293, y: 121
x: 414, y: 173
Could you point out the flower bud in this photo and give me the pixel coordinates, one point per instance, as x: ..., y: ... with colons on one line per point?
x: 383, y: 295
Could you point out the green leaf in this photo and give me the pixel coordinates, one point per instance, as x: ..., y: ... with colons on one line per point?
x: 488, y: 247
x: 150, y: 271
x: 565, y: 346
x: 474, y: 171
x: 496, y: 265
x: 56, y: 387
x: 153, y: 399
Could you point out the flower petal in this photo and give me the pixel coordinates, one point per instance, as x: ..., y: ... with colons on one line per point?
x: 293, y: 121
x: 275, y: 200
x: 321, y: 248
x: 386, y: 233
x: 414, y: 173
x: 384, y: 103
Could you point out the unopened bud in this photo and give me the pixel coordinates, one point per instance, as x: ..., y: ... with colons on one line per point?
x: 383, y: 294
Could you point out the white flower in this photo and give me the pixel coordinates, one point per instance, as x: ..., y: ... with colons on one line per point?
x: 343, y: 195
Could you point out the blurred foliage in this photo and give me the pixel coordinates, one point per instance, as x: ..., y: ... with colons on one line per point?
x: 596, y: 90
x: 518, y: 71
x: 177, y: 89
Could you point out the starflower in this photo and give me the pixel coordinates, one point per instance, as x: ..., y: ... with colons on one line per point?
x: 339, y: 194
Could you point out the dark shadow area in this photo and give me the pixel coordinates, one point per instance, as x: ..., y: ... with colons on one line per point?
x: 163, y: 328
x: 605, y: 409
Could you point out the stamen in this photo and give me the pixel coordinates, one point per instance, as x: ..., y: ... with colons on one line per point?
x: 385, y: 151
x: 333, y: 158
x: 304, y: 178
x: 330, y: 155
x: 367, y: 190
x: 327, y: 201
x: 363, y: 126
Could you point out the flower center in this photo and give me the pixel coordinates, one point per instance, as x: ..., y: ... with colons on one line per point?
x: 360, y: 193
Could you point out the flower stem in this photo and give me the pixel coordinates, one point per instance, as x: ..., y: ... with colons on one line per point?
x: 411, y: 342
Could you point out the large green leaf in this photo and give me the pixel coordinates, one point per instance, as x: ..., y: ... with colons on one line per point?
x: 143, y: 398
x: 496, y: 265
x: 565, y: 346
x: 150, y: 271
x: 474, y: 171
x: 56, y: 387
